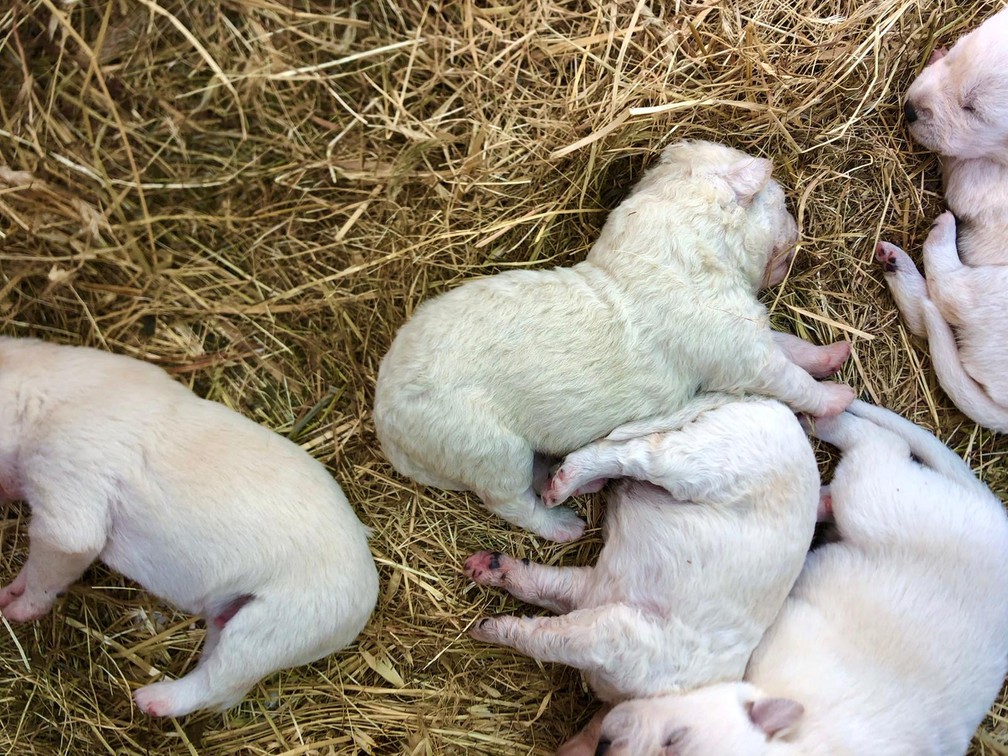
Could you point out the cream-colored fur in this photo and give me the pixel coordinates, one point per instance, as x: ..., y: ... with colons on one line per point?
x: 489, y: 375
x: 894, y: 640
x: 958, y: 106
x: 201, y: 506
x: 973, y: 368
x: 701, y: 549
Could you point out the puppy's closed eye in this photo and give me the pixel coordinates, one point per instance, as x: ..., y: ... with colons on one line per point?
x: 675, y: 739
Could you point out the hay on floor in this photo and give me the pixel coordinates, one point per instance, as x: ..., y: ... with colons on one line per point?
x: 255, y: 194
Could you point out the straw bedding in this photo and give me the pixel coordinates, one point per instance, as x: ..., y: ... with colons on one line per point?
x: 255, y: 194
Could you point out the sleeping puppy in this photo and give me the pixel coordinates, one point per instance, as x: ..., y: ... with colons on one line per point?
x: 958, y: 106
x: 491, y: 379
x: 701, y: 549
x: 199, y: 505
x: 894, y: 640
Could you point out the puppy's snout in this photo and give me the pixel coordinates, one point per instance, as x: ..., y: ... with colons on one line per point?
x: 909, y: 112
x: 603, y: 746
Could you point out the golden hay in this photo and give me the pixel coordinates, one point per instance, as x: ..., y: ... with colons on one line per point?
x: 255, y: 194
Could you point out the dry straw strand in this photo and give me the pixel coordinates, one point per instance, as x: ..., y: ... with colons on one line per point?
x: 255, y: 194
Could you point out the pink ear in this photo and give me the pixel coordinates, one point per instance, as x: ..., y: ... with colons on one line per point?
x: 747, y: 178
x: 937, y: 54
x: 775, y: 715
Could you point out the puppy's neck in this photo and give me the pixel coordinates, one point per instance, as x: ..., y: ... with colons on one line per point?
x: 976, y: 191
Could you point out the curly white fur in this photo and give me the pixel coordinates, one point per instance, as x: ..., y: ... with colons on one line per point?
x: 490, y: 374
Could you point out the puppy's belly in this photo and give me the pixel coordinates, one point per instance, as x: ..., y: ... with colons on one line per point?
x: 170, y: 576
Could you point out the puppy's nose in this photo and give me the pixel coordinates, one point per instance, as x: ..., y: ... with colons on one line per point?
x: 909, y: 113
x: 603, y: 746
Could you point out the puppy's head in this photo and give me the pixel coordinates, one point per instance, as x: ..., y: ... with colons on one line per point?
x: 958, y: 106
x: 730, y: 719
x: 731, y: 198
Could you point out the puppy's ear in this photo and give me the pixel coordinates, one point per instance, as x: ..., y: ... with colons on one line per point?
x: 586, y: 742
x: 747, y: 178
x: 775, y: 716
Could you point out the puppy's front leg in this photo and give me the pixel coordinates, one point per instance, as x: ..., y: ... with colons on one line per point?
x: 782, y: 379
x: 817, y: 361
x: 559, y: 589
x: 66, y: 534
x: 906, y: 284
x: 48, y: 572
x: 956, y: 289
x: 940, y: 252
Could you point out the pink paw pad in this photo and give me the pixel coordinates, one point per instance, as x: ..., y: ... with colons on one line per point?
x: 886, y: 255
x: 154, y: 707
x: 485, y: 566
x: 550, y: 495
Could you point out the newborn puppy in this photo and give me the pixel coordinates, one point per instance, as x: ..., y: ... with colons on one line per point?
x: 697, y: 561
x: 490, y: 377
x: 894, y: 640
x: 201, y: 506
x: 958, y: 106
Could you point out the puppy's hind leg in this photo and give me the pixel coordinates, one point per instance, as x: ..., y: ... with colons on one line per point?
x: 847, y: 431
x: 872, y: 497
x: 559, y: 589
x: 527, y: 510
x: 245, y: 644
x: 500, y: 467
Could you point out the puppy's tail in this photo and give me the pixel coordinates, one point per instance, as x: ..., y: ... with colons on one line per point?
x: 968, y: 395
x: 925, y: 446
x: 698, y: 405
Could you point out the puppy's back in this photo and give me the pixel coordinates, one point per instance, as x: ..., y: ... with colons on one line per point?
x: 201, y: 501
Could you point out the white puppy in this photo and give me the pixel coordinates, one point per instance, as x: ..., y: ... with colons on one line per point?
x: 894, y: 640
x: 488, y: 375
x: 201, y: 506
x: 958, y: 106
x: 697, y: 561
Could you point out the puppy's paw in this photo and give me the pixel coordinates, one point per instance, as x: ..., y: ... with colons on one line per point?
x: 153, y: 701
x: 560, y: 524
x: 570, y: 479
x: 12, y: 591
x: 26, y: 608
x: 836, y: 398
x: 829, y: 359
x: 894, y: 260
x: 170, y: 698
x: 943, y: 231
x: 490, y: 629
x: 488, y: 568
